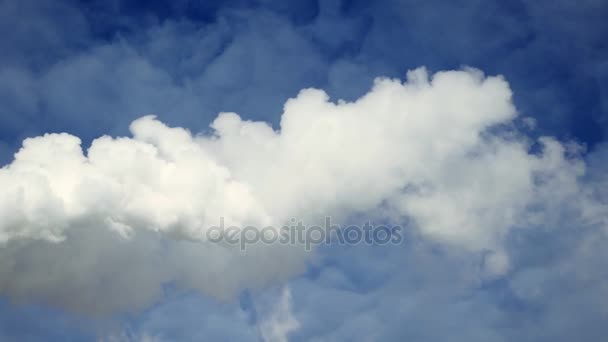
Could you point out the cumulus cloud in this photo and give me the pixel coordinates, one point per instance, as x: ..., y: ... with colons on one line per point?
x: 437, y: 151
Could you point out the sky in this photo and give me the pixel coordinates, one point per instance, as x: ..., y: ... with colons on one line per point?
x: 129, y: 128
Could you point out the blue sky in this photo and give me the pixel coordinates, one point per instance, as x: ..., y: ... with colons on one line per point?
x: 90, y: 68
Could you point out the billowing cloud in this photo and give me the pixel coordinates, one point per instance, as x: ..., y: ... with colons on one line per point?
x: 129, y: 215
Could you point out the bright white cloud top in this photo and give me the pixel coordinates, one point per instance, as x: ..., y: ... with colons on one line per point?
x: 441, y: 152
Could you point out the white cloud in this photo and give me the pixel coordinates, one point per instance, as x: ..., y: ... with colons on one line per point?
x: 438, y: 151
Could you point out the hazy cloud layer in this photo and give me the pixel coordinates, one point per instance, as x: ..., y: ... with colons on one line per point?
x: 93, y: 70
